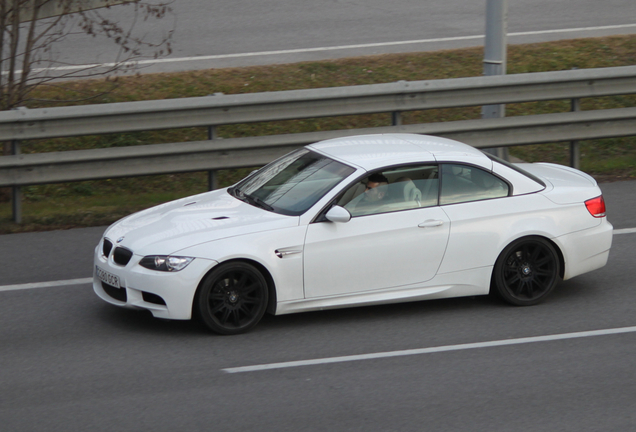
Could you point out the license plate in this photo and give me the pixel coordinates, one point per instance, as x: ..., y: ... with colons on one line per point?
x: 106, y: 277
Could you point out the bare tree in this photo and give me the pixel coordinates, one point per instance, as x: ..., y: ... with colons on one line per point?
x: 30, y: 31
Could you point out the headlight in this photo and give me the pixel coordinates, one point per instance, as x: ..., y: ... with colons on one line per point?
x: 165, y: 263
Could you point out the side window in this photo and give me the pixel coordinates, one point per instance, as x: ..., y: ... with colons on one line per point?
x: 395, y: 189
x: 463, y: 183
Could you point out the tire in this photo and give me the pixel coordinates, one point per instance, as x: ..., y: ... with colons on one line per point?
x: 527, y: 271
x: 232, y: 298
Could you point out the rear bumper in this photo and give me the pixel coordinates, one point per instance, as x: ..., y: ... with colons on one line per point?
x: 586, y: 250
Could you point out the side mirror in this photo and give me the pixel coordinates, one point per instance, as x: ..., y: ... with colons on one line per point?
x: 338, y: 214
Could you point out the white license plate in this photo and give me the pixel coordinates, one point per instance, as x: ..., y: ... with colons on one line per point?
x: 106, y: 277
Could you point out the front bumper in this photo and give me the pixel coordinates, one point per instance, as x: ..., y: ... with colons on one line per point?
x: 165, y: 294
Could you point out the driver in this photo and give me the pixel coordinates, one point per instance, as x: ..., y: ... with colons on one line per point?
x: 374, y: 195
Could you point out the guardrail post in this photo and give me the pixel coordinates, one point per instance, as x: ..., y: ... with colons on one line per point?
x: 16, y: 193
x: 495, y: 58
x: 575, y: 150
x: 396, y: 118
x: 213, y: 180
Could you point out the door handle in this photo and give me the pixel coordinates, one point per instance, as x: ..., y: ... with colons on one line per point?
x: 431, y: 223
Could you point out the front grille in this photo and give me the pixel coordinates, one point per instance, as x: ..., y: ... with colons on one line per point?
x: 122, y: 256
x: 152, y: 298
x: 114, y: 292
x: 107, y: 247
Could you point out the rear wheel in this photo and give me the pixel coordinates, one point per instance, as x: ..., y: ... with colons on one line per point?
x: 527, y: 271
x: 232, y: 299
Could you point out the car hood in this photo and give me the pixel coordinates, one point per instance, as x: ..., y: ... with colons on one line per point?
x: 170, y: 227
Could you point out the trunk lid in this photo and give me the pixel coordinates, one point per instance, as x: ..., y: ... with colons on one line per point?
x: 564, y: 185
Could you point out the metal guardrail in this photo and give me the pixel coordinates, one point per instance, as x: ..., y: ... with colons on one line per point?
x: 131, y: 161
x: 219, y: 109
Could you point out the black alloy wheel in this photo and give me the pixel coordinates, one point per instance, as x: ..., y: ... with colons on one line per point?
x: 526, y: 271
x: 232, y: 299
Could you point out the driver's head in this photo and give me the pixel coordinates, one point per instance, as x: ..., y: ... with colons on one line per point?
x: 372, y: 192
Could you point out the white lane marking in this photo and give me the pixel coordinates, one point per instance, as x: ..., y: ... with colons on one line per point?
x: 328, y: 360
x: 46, y: 284
x: 625, y: 231
x: 90, y: 280
x: 579, y: 29
x: 333, y: 48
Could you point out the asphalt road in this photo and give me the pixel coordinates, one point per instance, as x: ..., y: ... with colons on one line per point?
x: 230, y: 33
x: 70, y: 362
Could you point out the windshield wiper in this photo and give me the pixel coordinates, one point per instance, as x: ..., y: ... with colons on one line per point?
x: 250, y: 199
x: 235, y: 192
x: 255, y: 201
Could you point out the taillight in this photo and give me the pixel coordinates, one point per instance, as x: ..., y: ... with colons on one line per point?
x: 596, y: 206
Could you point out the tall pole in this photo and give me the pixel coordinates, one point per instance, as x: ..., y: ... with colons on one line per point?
x: 495, y: 56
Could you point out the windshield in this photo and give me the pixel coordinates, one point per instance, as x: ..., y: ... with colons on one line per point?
x: 293, y: 183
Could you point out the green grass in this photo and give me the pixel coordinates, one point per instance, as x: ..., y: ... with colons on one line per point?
x: 94, y: 203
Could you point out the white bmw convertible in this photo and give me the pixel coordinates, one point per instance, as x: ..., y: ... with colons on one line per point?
x: 357, y: 221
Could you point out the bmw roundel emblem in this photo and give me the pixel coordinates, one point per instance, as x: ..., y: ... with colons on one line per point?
x: 120, y: 239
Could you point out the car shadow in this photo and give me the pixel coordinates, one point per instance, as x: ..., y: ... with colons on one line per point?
x: 388, y: 312
x: 397, y: 314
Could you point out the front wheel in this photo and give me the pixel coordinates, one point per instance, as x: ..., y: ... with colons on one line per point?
x: 232, y: 299
x: 526, y: 271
